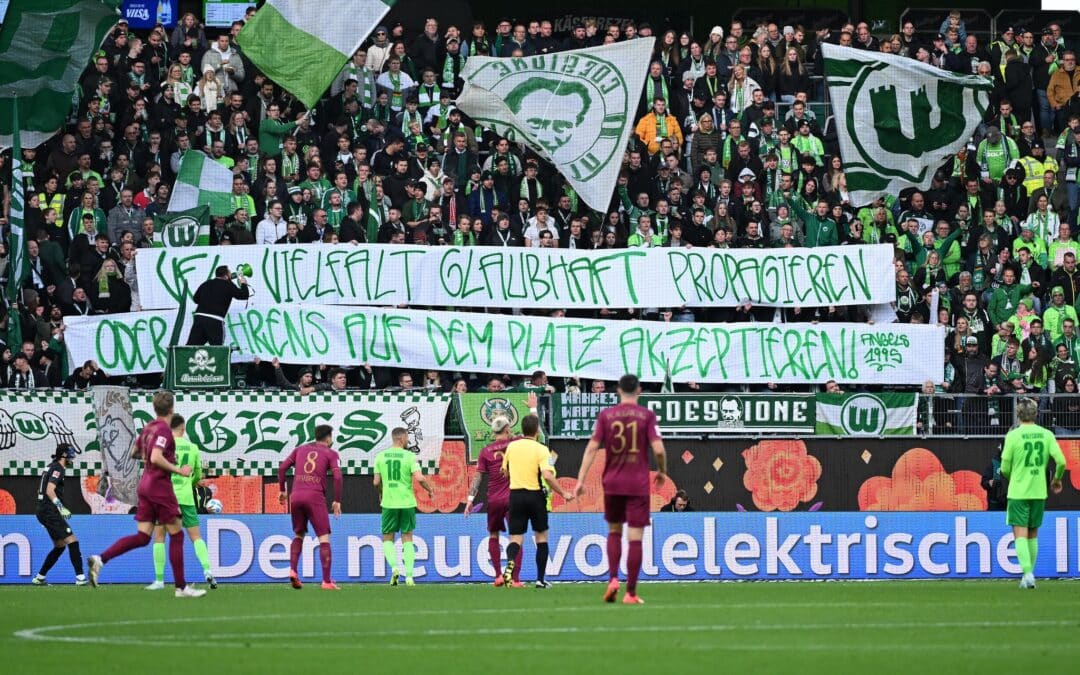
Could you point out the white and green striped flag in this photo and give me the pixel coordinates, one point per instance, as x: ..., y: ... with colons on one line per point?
x: 302, y: 44
x: 885, y: 414
x: 897, y: 120
x: 44, y: 46
x: 202, y: 182
x: 17, y: 241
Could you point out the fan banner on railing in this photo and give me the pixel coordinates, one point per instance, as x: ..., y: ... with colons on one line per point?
x: 239, y: 433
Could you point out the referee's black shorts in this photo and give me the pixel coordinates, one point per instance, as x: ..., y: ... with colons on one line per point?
x: 54, y: 523
x: 528, y: 506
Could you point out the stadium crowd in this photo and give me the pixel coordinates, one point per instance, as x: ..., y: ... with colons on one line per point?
x: 732, y: 148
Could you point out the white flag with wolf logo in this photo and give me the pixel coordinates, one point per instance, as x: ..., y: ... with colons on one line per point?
x: 897, y: 119
x: 574, y: 108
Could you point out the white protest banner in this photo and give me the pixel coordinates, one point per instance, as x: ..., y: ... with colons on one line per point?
x: 33, y: 423
x: 440, y: 276
x: 250, y: 433
x: 496, y: 343
x: 576, y: 108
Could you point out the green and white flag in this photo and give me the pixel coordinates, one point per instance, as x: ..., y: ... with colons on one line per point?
x: 886, y: 414
x: 302, y: 44
x: 202, y: 182
x: 17, y: 242
x: 575, y: 108
x: 186, y: 228
x: 897, y: 119
x: 44, y: 46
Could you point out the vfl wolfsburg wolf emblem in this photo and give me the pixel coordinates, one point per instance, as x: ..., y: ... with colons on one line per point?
x: 898, y: 119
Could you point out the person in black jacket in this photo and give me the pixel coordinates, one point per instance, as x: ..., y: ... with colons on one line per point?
x: 994, y: 484
x: 212, y: 301
x: 680, y: 504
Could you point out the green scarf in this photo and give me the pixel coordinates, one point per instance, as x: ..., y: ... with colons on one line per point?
x: 448, y: 71
x: 397, y: 99
x: 103, y: 286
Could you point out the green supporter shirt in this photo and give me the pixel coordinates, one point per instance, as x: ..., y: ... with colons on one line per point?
x: 1023, y: 461
x: 187, y: 454
x: 396, y: 467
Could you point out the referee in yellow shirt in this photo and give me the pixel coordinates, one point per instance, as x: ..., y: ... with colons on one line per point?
x: 526, y: 461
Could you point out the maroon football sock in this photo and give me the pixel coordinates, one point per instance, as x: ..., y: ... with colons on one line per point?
x: 294, y: 554
x: 176, y: 558
x: 125, y: 544
x: 495, y: 551
x: 325, y: 556
x: 633, y: 567
x: 614, y: 554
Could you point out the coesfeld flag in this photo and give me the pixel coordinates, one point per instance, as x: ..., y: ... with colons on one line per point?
x: 575, y: 108
x: 887, y: 414
x: 897, y: 119
x: 302, y: 44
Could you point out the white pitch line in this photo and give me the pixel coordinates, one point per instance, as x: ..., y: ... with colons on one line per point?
x: 281, y: 638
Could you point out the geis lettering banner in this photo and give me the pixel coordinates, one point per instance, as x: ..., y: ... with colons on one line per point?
x: 563, y: 347
x: 246, y: 433
x: 250, y: 434
x: 380, y: 275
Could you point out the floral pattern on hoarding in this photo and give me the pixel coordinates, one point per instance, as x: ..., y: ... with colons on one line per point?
x: 780, y: 474
x: 920, y: 483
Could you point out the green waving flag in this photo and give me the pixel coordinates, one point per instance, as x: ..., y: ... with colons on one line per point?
x: 302, y: 44
x: 44, y: 47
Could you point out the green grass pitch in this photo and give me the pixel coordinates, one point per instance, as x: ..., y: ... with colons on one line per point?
x: 935, y: 627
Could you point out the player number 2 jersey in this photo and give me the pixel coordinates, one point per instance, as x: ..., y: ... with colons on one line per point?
x: 626, y: 433
x: 396, y: 467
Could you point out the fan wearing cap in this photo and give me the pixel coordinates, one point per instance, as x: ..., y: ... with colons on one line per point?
x: 1000, y: 49
x: 994, y: 155
x: 1056, y: 314
x: 53, y: 516
x: 485, y: 198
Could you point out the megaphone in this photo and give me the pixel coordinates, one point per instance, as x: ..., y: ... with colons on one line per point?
x: 243, y: 269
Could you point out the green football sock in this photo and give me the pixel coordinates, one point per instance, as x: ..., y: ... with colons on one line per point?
x: 202, y: 554
x: 390, y: 554
x: 159, y: 562
x: 1033, y: 548
x: 1024, y: 554
x: 409, y: 554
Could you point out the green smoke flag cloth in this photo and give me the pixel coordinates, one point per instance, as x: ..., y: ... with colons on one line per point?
x: 44, y: 46
x: 17, y: 243
x: 574, y: 108
x: 897, y: 119
x: 887, y: 414
x: 302, y: 44
x: 186, y: 228
x: 202, y: 182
